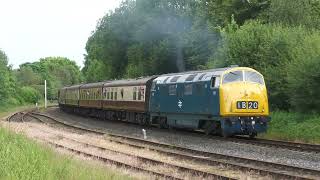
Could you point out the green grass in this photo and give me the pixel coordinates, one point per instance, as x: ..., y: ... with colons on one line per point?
x: 294, y: 127
x: 21, y: 158
x: 7, y: 109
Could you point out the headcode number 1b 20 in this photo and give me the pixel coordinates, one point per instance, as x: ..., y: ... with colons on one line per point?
x: 247, y: 105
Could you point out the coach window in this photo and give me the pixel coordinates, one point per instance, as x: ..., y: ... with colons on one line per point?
x: 139, y: 94
x: 172, y: 90
x: 188, y: 89
x: 115, y: 95
x: 234, y: 76
x: 122, y: 91
x: 134, y: 93
x: 108, y: 95
x: 111, y: 94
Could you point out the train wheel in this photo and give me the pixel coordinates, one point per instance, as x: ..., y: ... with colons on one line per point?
x: 163, y: 123
x: 252, y: 135
x: 209, y: 127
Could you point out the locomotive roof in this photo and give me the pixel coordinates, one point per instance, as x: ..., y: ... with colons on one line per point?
x: 190, y: 76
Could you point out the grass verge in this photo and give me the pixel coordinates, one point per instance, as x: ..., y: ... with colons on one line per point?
x: 7, y: 109
x: 21, y: 158
x: 294, y: 127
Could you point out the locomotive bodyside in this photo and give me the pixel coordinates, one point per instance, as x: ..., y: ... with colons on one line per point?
x: 216, y: 101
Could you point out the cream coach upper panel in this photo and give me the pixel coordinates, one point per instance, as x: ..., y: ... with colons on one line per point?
x: 125, y: 93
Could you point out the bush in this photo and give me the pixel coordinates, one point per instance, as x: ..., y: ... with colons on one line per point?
x: 294, y: 127
x: 304, y: 76
x: 29, y: 94
x: 268, y: 48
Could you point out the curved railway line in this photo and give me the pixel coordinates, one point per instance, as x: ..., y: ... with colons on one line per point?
x: 236, y: 163
x: 303, y: 147
x: 183, y: 169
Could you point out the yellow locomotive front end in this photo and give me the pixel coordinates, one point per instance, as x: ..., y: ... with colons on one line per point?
x: 244, y: 106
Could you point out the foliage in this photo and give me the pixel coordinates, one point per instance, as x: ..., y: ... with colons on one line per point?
x: 295, y: 13
x: 29, y: 94
x: 304, y: 76
x: 270, y: 49
x: 58, y: 72
x: 21, y: 158
x: 221, y: 11
x: 7, y: 81
x: 298, y: 127
x: 146, y: 37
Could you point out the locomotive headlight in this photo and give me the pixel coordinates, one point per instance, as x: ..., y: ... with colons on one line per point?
x: 253, y: 122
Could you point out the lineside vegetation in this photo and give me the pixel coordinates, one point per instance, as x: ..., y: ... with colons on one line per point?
x: 21, y: 158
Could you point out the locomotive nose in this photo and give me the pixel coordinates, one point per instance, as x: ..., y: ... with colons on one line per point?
x: 243, y: 99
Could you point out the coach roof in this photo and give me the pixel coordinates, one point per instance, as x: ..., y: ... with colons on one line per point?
x: 129, y: 82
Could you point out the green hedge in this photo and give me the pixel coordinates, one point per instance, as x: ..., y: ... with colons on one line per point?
x: 283, y: 55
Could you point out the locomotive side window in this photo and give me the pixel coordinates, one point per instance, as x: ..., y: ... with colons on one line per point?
x: 153, y: 86
x: 188, y: 89
x: 175, y: 79
x: 199, y: 89
x: 254, y: 77
x: 191, y: 77
x: 172, y: 90
x: 213, y: 82
x: 234, y: 76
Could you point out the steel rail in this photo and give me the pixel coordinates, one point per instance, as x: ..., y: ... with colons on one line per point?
x: 279, y: 170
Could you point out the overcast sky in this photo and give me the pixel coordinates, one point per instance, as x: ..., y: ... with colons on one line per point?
x: 32, y: 29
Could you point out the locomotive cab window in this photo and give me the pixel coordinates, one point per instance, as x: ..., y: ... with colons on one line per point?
x: 234, y: 76
x: 213, y: 82
x: 251, y: 76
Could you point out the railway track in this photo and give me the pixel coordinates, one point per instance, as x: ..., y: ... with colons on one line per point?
x: 302, y: 147
x: 18, y: 116
x: 181, y: 169
x: 237, y: 163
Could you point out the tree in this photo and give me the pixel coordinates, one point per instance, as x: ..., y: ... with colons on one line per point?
x: 295, y: 13
x: 267, y: 48
x: 304, y: 76
x: 242, y: 10
x: 125, y: 41
x: 58, y: 71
